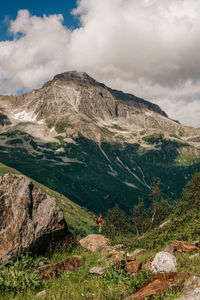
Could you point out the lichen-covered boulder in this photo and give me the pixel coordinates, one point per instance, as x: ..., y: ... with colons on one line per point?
x: 164, y: 262
x: 30, y: 220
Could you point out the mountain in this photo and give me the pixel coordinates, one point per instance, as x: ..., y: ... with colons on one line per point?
x: 94, y: 144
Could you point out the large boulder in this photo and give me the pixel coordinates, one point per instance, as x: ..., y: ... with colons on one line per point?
x: 30, y: 220
x: 164, y: 262
x: 96, y: 242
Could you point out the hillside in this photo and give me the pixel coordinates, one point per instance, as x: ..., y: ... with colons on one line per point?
x: 96, y: 145
x: 118, y: 281
x: 80, y: 221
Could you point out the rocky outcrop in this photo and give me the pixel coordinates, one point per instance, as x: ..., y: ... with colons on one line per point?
x: 182, y: 246
x: 55, y: 270
x: 158, y: 284
x: 164, y: 262
x: 30, y: 220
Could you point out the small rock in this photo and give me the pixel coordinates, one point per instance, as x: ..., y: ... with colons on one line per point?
x: 130, y: 258
x: 192, y: 295
x: 40, y: 294
x: 54, y: 270
x: 194, y: 256
x: 164, y: 262
x: 98, y: 270
x: 133, y: 266
x: 116, y: 259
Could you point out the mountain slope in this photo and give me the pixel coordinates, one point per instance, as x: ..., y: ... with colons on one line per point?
x: 95, y: 145
x: 80, y: 221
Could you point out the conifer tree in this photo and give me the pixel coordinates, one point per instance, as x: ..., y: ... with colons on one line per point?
x: 115, y: 223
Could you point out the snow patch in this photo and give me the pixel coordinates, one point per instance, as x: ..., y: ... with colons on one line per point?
x: 24, y: 116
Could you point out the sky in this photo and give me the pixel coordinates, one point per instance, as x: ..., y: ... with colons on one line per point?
x: 149, y: 48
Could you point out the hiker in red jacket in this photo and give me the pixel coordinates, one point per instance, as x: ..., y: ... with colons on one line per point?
x: 100, y: 223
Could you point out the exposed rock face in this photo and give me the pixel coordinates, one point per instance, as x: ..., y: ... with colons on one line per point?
x: 29, y: 219
x: 73, y: 122
x: 74, y: 102
x: 164, y: 262
x: 54, y: 270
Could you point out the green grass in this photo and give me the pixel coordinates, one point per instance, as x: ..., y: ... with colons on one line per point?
x: 186, y: 160
x: 79, y: 220
x: 115, y: 284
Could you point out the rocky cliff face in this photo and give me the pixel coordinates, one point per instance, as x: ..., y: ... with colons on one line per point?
x: 96, y: 145
x: 29, y: 219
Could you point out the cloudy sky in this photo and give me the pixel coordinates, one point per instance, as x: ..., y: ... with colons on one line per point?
x: 150, y: 48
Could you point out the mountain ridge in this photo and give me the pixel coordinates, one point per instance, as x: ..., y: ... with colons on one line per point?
x: 95, y: 145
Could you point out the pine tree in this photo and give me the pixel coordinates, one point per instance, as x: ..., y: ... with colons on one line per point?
x: 115, y: 223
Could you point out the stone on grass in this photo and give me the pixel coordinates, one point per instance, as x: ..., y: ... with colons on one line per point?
x: 40, y: 294
x: 163, y: 262
x: 181, y: 246
x: 133, y: 266
x: 54, y: 270
x: 156, y: 285
x: 118, y: 259
x: 96, y: 242
x: 98, y: 270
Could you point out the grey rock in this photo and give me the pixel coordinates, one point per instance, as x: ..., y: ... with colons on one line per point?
x: 192, y: 295
x: 164, y: 262
x: 98, y: 270
x: 40, y: 294
x: 194, y: 256
x: 192, y: 282
x: 30, y: 220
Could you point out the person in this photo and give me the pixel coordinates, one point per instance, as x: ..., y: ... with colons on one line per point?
x: 100, y: 223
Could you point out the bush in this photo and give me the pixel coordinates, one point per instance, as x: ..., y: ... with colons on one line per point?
x: 19, y: 275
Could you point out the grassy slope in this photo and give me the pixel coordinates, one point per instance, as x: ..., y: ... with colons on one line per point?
x: 101, y: 178
x: 80, y: 221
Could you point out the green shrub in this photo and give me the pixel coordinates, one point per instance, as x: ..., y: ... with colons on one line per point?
x: 19, y: 275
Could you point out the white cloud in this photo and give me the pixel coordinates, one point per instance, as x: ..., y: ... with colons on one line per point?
x: 146, y: 47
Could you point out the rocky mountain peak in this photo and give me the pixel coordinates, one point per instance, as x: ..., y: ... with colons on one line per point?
x: 79, y: 78
x: 74, y: 103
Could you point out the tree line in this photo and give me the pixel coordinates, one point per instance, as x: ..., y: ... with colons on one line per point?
x: 151, y: 211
